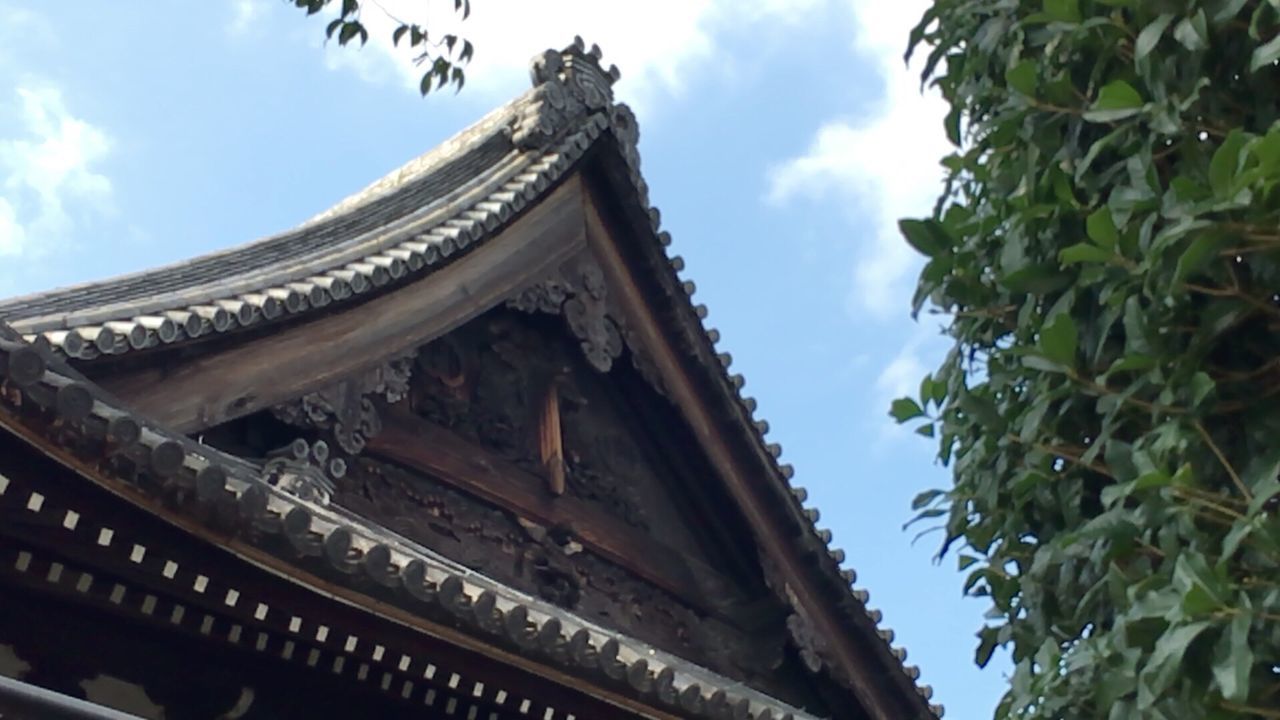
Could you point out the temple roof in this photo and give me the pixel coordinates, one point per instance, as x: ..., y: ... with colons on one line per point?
x: 402, y: 228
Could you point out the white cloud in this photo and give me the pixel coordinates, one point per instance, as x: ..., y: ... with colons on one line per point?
x: 885, y: 163
x: 655, y: 43
x: 244, y: 13
x: 901, y: 376
x: 48, y: 173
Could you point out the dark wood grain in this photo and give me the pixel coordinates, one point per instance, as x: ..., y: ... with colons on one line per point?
x: 423, y: 446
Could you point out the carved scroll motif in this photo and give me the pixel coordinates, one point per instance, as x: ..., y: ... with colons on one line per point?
x: 812, y: 646
x: 568, y: 85
x: 579, y: 293
x: 305, y: 470
x: 347, y: 408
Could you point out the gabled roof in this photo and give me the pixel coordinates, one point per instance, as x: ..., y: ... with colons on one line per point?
x: 416, y: 221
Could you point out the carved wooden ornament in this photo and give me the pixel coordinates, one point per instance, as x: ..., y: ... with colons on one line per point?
x: 347, y: 408
x: 578, y: 292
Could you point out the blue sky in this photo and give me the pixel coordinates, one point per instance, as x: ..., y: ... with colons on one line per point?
x: 780, y: 138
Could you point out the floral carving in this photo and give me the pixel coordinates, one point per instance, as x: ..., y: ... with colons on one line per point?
x: 347, y: 408
x: 578, y: 292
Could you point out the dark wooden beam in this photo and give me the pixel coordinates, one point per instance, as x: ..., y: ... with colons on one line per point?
x: 744, y: 479
x: 420, y: 445
x: 213, y: 388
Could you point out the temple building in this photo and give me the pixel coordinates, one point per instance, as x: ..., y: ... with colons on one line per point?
x: 460, y: 447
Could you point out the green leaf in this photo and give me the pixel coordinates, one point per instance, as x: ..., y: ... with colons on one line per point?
x: 1031, y: 422
x: 1262, y: 477
x: 1193, y: 32
x: 1197, y: 255
x: 1240, y: 531
x: 1059, y: 339
x: 1150, y: 35
x: 1101, y: 228
x: 1063, y: 10
x: 1233, y: 659
x: 904, y: 409
x: 1135, y: 328
x: 1192, y: 576
x: 349, y: 30
x: 1155, y: 478
x: 1035, y: 362
x: 1113, y: 494
x: 925, y: 498
x: 1084, y: 253
x: 1022, y: 77
x: 1265, y: 55
x: 398, y: 33
x: 1117, y: 100
x: 1166, y: 660
x: 988, y: 639
x: 1201, y: 386
x: 1225, y: 164
x: 1132, y: 362
x: 1267, y: 151
x: 927, y: 236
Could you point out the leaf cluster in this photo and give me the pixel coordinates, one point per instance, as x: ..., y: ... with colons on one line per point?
x: 1106, y: 259
x: 445, y: 58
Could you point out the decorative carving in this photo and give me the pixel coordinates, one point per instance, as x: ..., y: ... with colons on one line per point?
x: 347, y: 408
x: 811, y: 645
x: 305, y: 470
x: 578, y: 292
x: 488, y: 382
x: 569, y: 84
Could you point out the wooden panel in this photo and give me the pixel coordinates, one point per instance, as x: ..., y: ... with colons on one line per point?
x: 214, y: 388
x: 431, y: 449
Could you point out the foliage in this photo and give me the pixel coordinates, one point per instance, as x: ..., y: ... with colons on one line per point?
x: 1107, y: 259
x: 445, y: 58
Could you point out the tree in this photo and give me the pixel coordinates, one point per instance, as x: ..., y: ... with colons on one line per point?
x: 445, y: 58
x: 1106, y: 256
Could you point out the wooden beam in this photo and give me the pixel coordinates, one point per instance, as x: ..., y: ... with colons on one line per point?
x: 428, y: 448
x: 211, y: 389
x: 743, y: 479
x: 550, y: 443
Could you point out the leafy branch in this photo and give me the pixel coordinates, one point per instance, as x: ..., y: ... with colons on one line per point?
x: 1107, y: 258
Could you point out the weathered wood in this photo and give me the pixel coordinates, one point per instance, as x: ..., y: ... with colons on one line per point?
x: 213, y: 388
x: 550, y: 445
x: 743, y: 481
x: 429, y: 448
